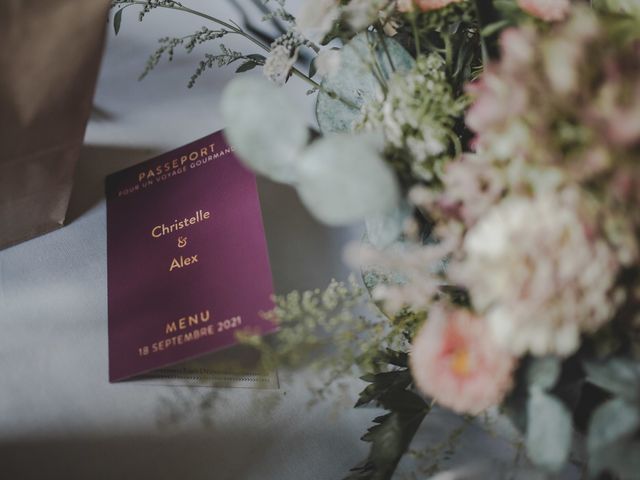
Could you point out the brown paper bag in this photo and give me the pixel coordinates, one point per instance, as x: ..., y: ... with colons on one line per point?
x: 49, y: 57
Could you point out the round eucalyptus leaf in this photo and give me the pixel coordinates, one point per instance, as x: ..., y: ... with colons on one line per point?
x: 383, y: 229
x: 611, y: 422
x: 354, y: 80
x: 617, y: 375
x: 265, y: 127
x: 343, y: 178
x: 549, y: 431
x: 543, y: 372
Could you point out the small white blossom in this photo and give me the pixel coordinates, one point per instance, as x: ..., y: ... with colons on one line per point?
x: 362, y: 13
x: 283, y: 56
x: 317, y: 17
x: 328, y: 63
x: 417, y: 115
x: 279, y: 64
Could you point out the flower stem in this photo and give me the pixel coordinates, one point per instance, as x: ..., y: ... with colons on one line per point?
x: 231, y: 26
x: 383, y: 41
x: 416, y: 36
x: 448, y: 51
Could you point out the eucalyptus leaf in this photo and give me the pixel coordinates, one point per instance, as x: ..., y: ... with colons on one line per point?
x: 385, y: 228
x: 343, y: 178
x: 543, y: 372
x: 618, y: 376
x: 549, y: 431
x: 266, y: 128
x: 621, y: 459
x: 612, y: 421
x: 355, y: 82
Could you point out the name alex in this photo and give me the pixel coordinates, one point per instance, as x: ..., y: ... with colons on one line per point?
x: 182, y: 262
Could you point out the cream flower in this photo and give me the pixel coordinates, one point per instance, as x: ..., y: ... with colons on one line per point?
x: 279, y: 64
x: 454, y: 360
x: 316, y: 18
x: 547, y: 10
x: 283, y: 56
x: 405, y: 5
x: 328, y: 62
x: 359, y: 14
x: 539, y: 273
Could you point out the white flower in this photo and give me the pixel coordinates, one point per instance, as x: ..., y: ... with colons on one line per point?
x: 362, y: 13
x: 279, y: 64
x: 538, y: 274
x: 283, y: 56
x: 317, y: 17
x: 328, y: 63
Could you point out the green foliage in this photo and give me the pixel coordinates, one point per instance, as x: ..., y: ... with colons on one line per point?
x: 189, y: 42
x: 543, y: 372
x: 618, y: 376
x: 366, y: 63
x: 615, y: 419
x: 204, y: 35
x: 539, y: 408
x: 341, y: 321
x: 418, y: 118
x: 612, y: 440
x: 454, y: 33
x: 549, y: 430
x: 227, y: 57
x: 322, y: 328
x: 311, y: 321
x: 147, y: 5
x: 392, y: 433
x: 621, y: 7
x: 599, y: 397
x: 117, y: 21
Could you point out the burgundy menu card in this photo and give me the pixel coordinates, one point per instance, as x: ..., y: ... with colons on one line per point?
x: 187, y: 258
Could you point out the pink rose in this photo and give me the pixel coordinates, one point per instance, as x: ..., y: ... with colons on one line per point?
x: 424, y: 5
x: 547, y: 10
x: 454, y: 360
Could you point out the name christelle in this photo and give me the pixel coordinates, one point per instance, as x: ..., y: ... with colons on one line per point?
x: 161, y: 230
x: 179, y: 224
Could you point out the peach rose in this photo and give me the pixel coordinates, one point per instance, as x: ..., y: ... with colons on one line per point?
x: 547, y: 10
x: 455, y: 361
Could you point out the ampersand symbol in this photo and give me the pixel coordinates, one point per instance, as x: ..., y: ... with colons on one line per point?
x: 182, y: 242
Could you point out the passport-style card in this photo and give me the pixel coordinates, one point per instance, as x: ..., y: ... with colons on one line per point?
x: 187, y: 258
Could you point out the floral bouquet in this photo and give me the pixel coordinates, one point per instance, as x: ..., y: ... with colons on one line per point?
x: 493, y: 150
